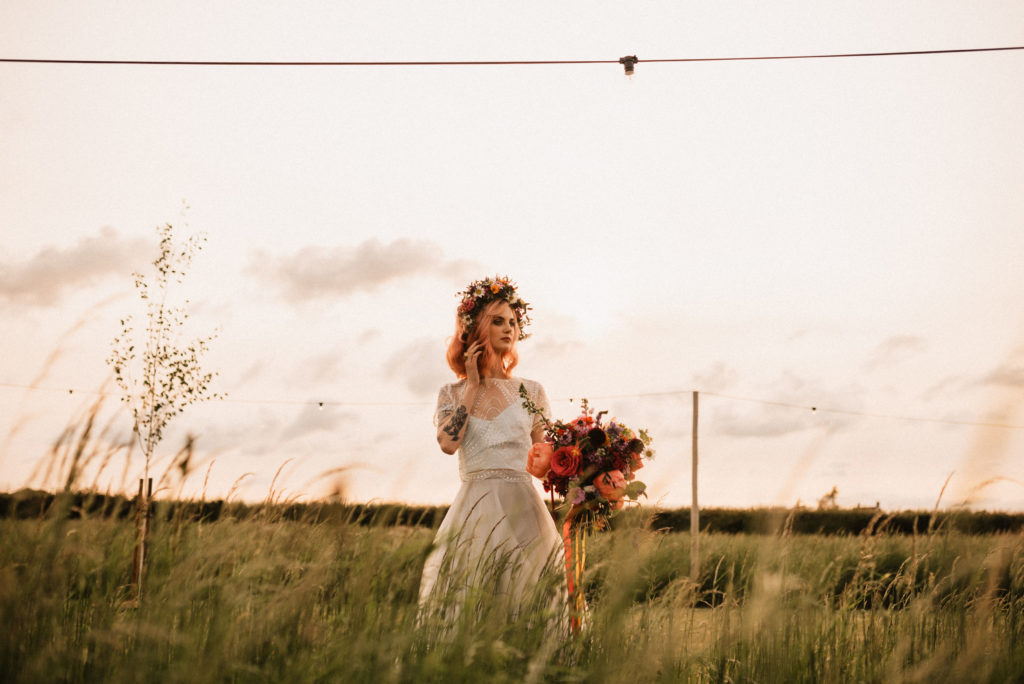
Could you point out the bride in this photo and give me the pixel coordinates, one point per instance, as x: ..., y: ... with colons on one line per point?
x: 497, y: 539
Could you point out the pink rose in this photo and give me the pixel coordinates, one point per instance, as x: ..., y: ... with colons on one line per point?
x: 538, y: 460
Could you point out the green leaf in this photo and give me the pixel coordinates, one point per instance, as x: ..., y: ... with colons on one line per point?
x: 635, y: 489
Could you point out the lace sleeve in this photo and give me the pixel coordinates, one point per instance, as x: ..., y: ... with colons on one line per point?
x: 446, y: 403
x: 540, y: 397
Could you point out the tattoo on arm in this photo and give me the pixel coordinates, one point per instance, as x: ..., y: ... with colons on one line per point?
x: 454, y: 426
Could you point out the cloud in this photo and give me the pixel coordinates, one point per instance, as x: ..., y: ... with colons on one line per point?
x: 762, y: 421
x: 43, y: 279
x: 314, y: 419
x: 1007, y: 374
x: 250, y: 435
x: 550, y: 347
x: 760, y: 416
x: 317, y: 271
x: 368, y: 335
x: 254, y: 371
x: 895, y: 349
x: 416, y: 366
x: 719, y: 377
x: 321, y: 368
x: 945, y: 386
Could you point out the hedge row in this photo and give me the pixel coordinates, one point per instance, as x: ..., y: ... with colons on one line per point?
x: 838, y: 521
x: 33, y: 504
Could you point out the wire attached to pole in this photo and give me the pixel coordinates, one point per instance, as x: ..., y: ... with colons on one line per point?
x: 627, y: 62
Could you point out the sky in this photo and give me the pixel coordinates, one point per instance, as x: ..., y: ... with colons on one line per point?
x: 843, y: 234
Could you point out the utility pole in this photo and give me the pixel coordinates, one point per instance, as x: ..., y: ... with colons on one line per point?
x: 694, y: 510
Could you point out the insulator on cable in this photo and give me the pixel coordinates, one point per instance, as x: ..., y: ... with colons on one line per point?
x: 628, y: 62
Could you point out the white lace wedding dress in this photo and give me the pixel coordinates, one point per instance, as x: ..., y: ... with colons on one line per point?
x: 498, y: 534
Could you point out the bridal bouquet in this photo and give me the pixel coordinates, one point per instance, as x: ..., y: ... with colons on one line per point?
x: 590, y: 463
x: 593, y: 467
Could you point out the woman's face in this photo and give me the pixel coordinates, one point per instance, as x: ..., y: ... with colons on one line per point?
x: 503, y: 331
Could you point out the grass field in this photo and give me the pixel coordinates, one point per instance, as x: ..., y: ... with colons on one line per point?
x: 263, y: 599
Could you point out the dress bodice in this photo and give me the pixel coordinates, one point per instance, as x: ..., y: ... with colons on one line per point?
x: 498, y: 431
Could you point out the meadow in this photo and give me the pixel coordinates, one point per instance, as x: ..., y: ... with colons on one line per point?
x: 255, y: 596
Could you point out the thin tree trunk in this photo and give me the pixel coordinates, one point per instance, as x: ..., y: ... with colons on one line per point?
x: 143, y: 514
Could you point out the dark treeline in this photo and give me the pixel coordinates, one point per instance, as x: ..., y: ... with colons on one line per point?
x: 838, y: 521
x: 26, y: 504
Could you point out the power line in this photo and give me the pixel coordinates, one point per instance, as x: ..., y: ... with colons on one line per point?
x: 519, y: 62
x: 638, y: 395
x: 231, y: 400
x: 819, y: 409
x: 867, y: 414
x: 902, y: 53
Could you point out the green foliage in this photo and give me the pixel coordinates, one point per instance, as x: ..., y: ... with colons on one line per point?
x: 635, y: 489
x: 163, y: 376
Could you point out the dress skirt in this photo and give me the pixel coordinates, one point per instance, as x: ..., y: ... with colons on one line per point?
x: 497, y: 541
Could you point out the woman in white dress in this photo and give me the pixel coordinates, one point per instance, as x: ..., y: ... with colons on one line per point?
x: 497, y: 539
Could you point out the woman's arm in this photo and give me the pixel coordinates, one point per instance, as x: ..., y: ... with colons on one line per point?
x: 541, y: 400
x: 451, y: 430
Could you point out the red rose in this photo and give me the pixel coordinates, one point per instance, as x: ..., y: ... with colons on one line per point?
x: 565, y: 462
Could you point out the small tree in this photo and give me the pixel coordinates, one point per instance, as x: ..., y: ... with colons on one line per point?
x: 160, y: 381
x: 158, y: 376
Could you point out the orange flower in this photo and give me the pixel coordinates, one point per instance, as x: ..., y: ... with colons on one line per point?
x: 538, y: 460
x: 611, y: 485
x: 565, y: 462
x: 495, y: 288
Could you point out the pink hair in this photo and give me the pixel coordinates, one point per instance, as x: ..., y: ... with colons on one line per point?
x: 457, y: 348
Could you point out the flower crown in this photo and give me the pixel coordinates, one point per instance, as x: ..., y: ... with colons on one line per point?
x: 480, y: 293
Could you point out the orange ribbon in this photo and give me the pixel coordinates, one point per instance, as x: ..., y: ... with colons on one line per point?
x: 574, y: 540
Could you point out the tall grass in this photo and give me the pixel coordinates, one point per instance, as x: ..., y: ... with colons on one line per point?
x: 258, y: 595
x: 259, y: 598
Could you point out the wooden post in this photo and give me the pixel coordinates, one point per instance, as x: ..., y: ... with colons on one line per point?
x: 694, y: 510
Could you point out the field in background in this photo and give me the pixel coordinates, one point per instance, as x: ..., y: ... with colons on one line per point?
x: 35, y: 503
x: 256, y: 596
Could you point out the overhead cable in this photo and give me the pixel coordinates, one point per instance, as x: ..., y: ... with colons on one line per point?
x: 321, y: 404
x: 627, y: 62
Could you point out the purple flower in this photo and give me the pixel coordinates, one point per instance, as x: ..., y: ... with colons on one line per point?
x: 577, y: 496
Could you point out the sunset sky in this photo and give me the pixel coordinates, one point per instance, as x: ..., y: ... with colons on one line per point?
x: 839, y: 233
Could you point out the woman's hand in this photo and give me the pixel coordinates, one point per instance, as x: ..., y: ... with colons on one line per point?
x: 472, y: 357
